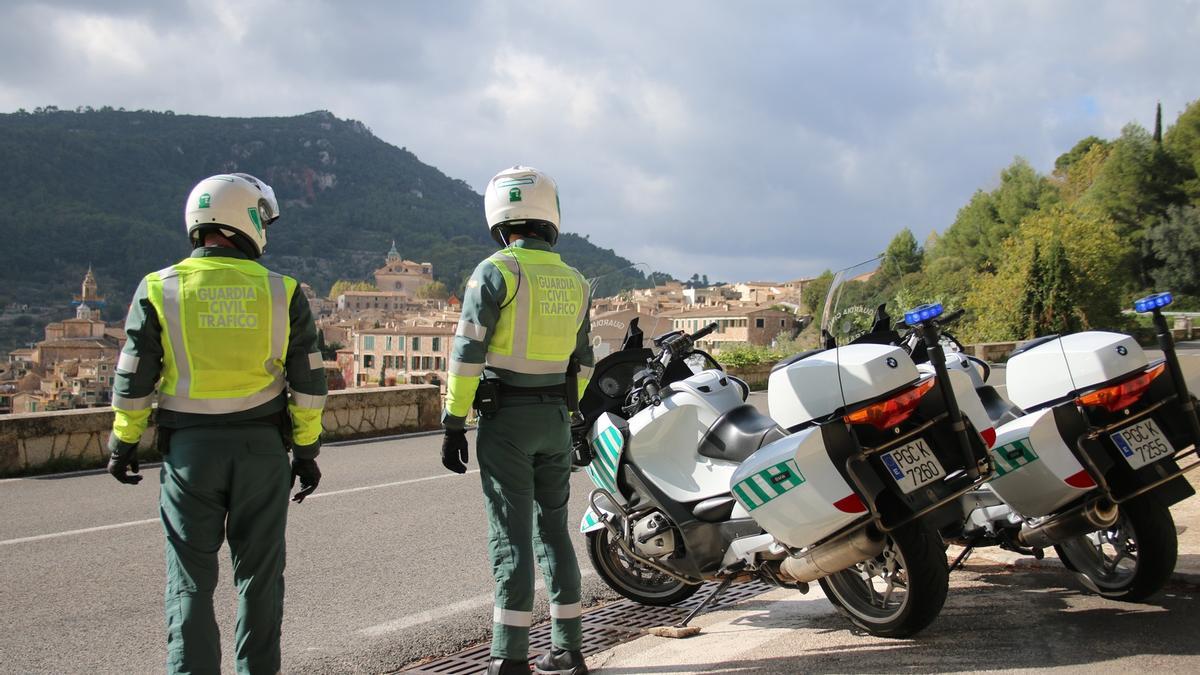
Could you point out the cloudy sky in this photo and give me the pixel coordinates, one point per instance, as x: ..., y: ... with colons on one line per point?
x: 744, y: 140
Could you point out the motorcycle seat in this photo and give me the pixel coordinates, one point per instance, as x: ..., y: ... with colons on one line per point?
x: 999, y: 411
x: 738, y: 434
x: 714, y: 509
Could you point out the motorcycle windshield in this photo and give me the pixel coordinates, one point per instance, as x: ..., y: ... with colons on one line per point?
x: 625, y: 299
x: 627, y: 314
x: 867, y: 305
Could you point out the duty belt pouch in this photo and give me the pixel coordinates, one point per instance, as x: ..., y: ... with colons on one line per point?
x: 487, y: 397
x: 162, y: 439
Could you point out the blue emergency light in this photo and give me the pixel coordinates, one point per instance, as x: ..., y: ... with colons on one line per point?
x: 923, y: 313
x: 1153, y: 302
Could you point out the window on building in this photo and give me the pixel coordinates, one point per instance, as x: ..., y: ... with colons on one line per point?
x: 782, y: 323
x: 759, y: 323
x: 416, y: 344
x: 388, y: 342
x: 437, y: 344
x: 426, y: 363
x: 437, y: 363
x: 369, y: 342
x: 400, y: 362
x: 368, y: 361
x: 399, y: 342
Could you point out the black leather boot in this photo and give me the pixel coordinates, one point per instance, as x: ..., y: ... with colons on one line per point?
x: 508, y: 667
x: 560, y: 662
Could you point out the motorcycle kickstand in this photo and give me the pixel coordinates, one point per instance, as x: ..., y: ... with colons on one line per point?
x: 682, y: 629
x: 962, y: 557
x: 707, y: 601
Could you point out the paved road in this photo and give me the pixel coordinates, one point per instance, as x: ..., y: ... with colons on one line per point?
x: 386, y: 565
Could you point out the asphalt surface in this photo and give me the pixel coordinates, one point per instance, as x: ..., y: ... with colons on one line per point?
x: 386, y: 566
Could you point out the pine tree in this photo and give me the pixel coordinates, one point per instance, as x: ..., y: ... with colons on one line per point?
x: 1158, y: 125
x: 1031, y: 300
x: 1058, y: 305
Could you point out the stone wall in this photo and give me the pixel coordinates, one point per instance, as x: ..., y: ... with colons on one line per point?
x: 756, y: 376
x: 76, y: 438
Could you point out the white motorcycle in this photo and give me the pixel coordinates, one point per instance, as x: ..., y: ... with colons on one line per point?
x: 693, y: 484
x: 1088, y: 451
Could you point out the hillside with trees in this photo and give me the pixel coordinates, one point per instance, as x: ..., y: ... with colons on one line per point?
x: 1068, y: 251
x: 106, y: 187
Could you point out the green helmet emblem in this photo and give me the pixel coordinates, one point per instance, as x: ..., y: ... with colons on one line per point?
x: 514, y: 194
x: 205, y: 201
x: 253, y: 211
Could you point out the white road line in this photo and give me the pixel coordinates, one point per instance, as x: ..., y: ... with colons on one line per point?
x: 68, y: 533
x: 148, y: 521
x: 410, y: 481
x: 428, y: 615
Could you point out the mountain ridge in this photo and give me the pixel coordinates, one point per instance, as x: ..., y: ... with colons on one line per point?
x: 105, y: 188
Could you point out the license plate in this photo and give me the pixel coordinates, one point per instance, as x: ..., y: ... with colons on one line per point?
x: 1142, y: 443
x: 913, y: 466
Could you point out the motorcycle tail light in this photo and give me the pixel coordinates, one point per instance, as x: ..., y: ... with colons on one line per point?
x: 887, y: 414
x: 1119, y: 396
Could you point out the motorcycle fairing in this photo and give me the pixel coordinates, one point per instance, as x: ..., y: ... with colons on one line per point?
x: 607, y: 439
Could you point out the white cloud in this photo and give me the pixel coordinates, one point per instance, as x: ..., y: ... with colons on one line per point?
x: 741, y: 140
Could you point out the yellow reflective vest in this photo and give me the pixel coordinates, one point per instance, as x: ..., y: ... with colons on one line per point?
x: 223, y: 346
x: 525, y: 314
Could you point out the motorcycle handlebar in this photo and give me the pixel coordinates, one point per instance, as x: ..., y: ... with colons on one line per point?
x: 703, y: 332
x: 652, y: 392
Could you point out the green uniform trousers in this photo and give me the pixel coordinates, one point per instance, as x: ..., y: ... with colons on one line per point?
x: 217, y: 483
x: 524, y: 452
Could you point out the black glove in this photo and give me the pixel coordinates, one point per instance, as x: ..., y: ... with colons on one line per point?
x: 581, y: 450
x: 309, y: 474
x: 454, y: 450
x: 121, y: 462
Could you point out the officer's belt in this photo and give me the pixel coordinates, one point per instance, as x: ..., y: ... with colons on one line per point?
x: 557, y: 390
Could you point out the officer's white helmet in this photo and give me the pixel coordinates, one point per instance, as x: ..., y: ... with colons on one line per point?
x: 237, y: 205
x: 519, y: 196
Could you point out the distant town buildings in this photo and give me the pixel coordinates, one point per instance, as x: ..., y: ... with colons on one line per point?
x: 73, y: 367
x: 403, y: 277
x: 395, y: 335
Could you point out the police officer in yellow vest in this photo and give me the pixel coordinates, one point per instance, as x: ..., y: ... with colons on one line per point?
x: 524, y: 318
x: 229, y: 350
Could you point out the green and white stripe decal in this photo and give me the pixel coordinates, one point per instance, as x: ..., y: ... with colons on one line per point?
x: 606, y: 447
x: 1009, y: 458
x: 590, y: 520
x: 768, y: 484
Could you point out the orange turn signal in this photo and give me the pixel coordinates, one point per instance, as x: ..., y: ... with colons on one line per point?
x: 889, y: 413
x: 1123, y: 394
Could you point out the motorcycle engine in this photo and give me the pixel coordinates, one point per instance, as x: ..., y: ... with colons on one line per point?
x: 654, y: 536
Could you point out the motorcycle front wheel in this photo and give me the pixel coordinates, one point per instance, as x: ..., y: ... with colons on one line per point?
x: 899, y: 592
x: 640, y: 583
x: 1130, y: 561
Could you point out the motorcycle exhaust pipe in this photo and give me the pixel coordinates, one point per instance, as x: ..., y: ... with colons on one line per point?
x: 833, y: 556
x: 1096, y: 515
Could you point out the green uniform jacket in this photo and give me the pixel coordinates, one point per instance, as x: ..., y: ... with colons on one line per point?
x: 305, y: 375
x: 486, y: 294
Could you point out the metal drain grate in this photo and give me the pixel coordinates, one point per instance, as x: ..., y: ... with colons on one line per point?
x: 603, y: 627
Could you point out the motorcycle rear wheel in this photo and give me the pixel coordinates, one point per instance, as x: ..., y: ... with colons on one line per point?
x: 1130, y: 561
x: 899, y: 592
x: 638, y: 582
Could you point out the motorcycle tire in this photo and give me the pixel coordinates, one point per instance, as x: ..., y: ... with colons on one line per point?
x: 1144, y: 535
x: 914, y: 552
x: 636, y: 581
